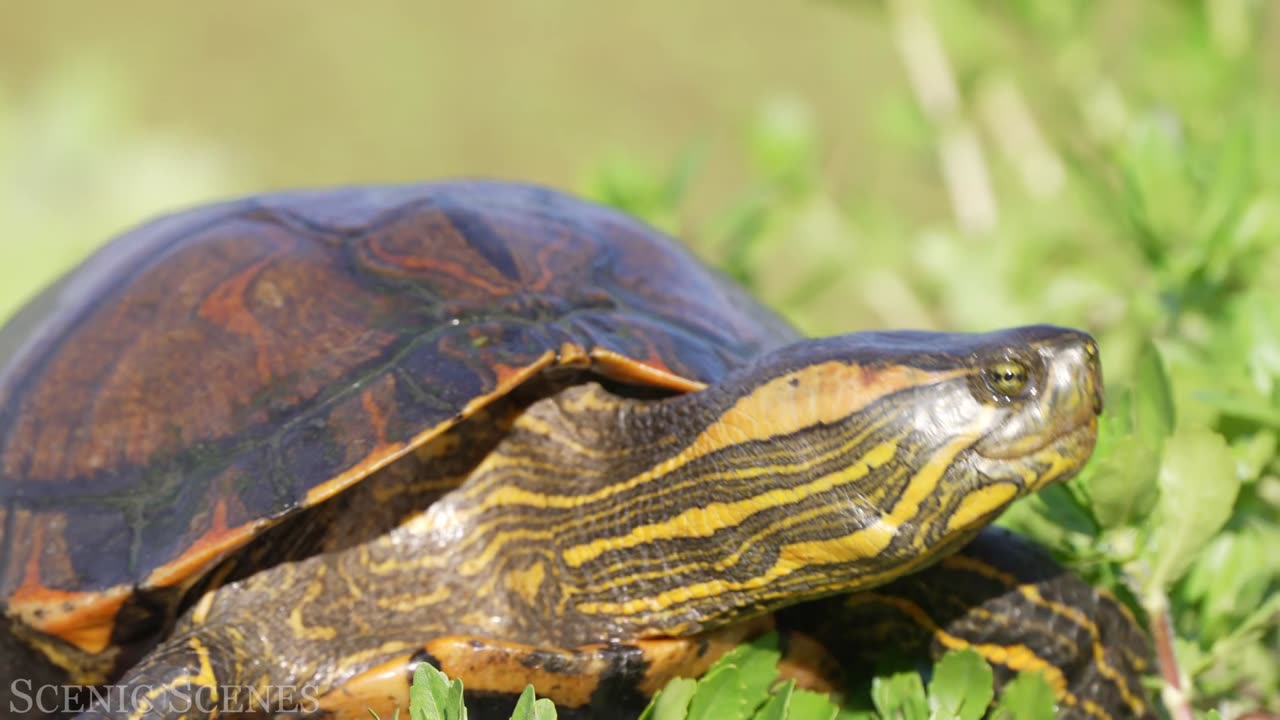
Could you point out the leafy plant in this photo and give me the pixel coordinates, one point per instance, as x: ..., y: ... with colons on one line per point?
x: 1084, y: 189
x: 745, y: 685
x: 1104, y: 165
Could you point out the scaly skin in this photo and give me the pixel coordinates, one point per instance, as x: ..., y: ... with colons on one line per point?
x: 829, y: 466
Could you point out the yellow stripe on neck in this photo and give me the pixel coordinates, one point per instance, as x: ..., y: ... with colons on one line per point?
x: 706, y: 521
x: 865, y: 542
x: 814, y: 395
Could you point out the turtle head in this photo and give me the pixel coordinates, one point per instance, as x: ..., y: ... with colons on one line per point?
x: 951, y: 427
x: 1045, y: 385
x: 826, y: 466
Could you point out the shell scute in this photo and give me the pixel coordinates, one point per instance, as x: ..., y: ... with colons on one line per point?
x: 214, y: 371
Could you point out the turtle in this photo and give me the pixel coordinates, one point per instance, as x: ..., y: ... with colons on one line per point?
x: 273, y: 453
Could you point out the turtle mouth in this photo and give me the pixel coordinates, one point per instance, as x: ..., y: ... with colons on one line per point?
x: 1048, y: 459
x: 1069, y: 439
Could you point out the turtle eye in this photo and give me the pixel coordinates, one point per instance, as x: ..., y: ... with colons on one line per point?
x: 1007, y: 377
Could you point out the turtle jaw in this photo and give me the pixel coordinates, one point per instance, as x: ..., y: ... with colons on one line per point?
x: 1056, y: 458
x: 991, y: 483
x: 1067, y: 451
x: 1050, y: 436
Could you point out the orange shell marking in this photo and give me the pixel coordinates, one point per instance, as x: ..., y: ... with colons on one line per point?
x: 83, y: 619
x: 87, y: 619
x: 226, y: 307
x: 652, y: 371
x: 508, y: 378
x: 206, y: 550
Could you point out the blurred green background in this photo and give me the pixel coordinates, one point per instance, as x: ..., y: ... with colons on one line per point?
x: 948, y: 164
x: 107, y: 118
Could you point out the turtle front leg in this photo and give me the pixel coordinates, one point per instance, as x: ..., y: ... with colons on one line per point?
x: 225, y: 657
x: 1002, y: 597
x: 195, y: 676
x: 271, y: 643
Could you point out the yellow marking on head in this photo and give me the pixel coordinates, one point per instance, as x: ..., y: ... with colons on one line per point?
x: 822, y: 393
x: 706, y: 521
x: 528, y: 582
x: 498, y: 542
x: 979, y: 504
x: 872, y: 540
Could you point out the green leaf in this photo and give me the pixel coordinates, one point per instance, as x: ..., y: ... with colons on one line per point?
x: 1252, y: 453
x: 1121, y: 482
x: 1252, y: 409
x: 778, y: 705
x: 720, y: 695
x: 1121, y: 479
x: 524, y: 706
x: 1027, y: 697
x: 1198, y: 487
x: 757, y: 664
x: 1052, y: 516
x: 1153, y: 402
x: 530, y: 707
x: 672, y: 702
x: 433, y: 697
x: 456, y: 706
x: 544, y: 709
x: 807, y: 705
x: 1229, y: 578
x: 900, y: 696
x: 961, y: 686
x: 1263, y: 618
x: 851, y: 713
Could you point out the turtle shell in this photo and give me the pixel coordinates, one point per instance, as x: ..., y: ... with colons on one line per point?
x: 214, y: 371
